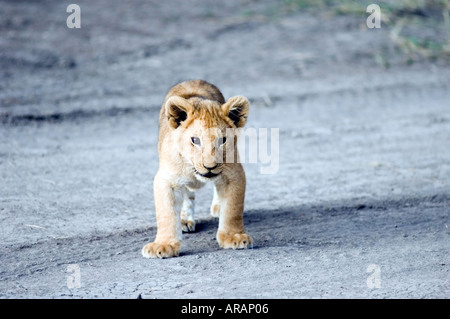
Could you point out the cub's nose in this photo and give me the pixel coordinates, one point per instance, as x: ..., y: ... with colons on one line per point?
x: 210, y: 167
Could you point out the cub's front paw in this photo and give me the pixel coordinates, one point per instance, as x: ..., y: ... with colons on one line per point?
x: 161, y: 250
x: 234, y: 241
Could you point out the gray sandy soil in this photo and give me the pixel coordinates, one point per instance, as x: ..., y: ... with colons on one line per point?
x: 358, y: 208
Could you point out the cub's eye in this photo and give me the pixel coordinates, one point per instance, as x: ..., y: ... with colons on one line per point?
x: 195, y: 140
x: 221, y: 140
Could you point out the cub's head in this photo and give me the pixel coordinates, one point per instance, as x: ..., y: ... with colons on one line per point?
x: 204, y: 131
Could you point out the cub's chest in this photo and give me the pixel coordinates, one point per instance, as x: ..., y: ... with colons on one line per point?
x: 190, y: 182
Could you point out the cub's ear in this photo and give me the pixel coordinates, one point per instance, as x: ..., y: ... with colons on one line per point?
x: 177, y: 110
x: 237, y: 108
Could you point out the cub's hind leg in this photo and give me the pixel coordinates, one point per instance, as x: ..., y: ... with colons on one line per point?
x: 215, y: 205
x: 187, y: 211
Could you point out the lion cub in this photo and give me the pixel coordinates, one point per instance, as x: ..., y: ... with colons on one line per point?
x: 197, y: 139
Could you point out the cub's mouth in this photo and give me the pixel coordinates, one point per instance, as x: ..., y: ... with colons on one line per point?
x: 207, y: 175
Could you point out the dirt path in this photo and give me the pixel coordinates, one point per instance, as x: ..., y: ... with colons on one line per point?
x: 359, y: 204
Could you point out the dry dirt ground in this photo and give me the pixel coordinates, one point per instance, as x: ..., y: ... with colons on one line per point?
x: 359, y: 205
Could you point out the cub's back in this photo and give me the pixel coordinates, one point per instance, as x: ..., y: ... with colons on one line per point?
x: 196, y: 88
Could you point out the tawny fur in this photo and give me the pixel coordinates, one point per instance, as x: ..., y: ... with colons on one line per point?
x: 198, y: 109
